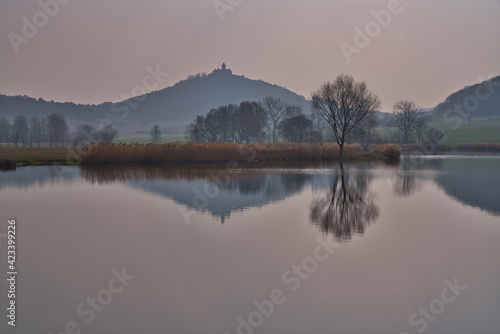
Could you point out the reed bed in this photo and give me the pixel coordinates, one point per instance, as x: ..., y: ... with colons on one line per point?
x: 390, y: 151
x: 8, y: 164
x: 479, y: 147
x: 104, y: 153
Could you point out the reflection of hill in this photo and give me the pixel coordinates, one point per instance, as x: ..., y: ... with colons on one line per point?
x: 475, y: 182
x: 204, y: 188
x: 472, y: 180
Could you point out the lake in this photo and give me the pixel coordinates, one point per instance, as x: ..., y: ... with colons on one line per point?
x: 364, y: 247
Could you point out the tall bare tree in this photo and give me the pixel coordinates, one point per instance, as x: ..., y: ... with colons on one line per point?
x: 20, y: 130
x: 107, y: 133
x: 4, y: 129
x: 57, y: 128
x: 296, y: 129
x: 344, y: 104
x: 275, y: 109
x: 408, y: 119
x: 155, y: 134
x: 35, y: 130
x: 85, y: 134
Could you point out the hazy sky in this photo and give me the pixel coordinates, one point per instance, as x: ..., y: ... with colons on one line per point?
x: 96, y: 50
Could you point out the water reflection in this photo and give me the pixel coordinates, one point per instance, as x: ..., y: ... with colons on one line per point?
x: 348, y: 207
x: 213, y: 188
x: 406, y: 181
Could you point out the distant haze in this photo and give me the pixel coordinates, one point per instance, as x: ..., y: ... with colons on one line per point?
x: 92, y: 51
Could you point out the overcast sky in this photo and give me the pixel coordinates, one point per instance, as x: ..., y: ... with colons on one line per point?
x: 96, y: 50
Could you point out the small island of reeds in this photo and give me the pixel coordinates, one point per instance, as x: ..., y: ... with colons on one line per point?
x: 178, y: 152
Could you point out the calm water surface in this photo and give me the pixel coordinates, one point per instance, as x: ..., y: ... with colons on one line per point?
x: 286, y: 248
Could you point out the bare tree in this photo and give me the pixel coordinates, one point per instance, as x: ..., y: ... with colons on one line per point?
x: 155, y: 134
x: 318, y: 126
x: 275, y: 109
x: 20, y: 130
x: 344, y: 104
x: 107, y: 133
x: 43, y: 130
x: 296, y: 129
x: 196, y: 130
x: 422, y: 127
x: 4, y: 129
x: 408, y: 118
x: 86, y: 134
x: 35, y: 130
x: 365, y: 133
x: 57, y: 128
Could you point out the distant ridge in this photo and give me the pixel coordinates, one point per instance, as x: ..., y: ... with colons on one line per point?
x: 480, y: 100
x: 179, y: 103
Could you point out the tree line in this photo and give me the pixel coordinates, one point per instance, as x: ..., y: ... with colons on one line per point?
x: 345, y: 107
x: 52, y: 130
x: 253, y: 121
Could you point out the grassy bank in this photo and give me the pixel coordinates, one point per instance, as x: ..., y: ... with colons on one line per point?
x: 34, y: 155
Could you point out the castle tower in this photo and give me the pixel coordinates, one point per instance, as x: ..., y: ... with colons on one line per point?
x: 223, y: 66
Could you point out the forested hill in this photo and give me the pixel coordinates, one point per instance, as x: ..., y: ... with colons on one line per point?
x: 180, y: 102
x: 480, y: 100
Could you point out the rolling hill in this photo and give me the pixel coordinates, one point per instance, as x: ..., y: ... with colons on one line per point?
x: 175, y: 105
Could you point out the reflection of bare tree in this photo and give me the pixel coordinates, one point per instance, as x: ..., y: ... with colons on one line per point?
x: 406, y: 182
x: 347, y: 208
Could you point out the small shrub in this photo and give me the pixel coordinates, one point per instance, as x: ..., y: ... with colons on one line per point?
x: 391, y: 151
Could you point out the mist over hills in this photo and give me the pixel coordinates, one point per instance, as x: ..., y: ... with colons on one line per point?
x: 175, y: 105
x: 179, y: 104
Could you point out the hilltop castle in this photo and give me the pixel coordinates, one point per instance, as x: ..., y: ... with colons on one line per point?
x: 224, y: 70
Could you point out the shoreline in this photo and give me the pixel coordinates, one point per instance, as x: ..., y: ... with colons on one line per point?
x: 45, y: 156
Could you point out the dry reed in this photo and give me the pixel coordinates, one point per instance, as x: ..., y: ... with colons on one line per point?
x: 102, y: 153
x: 8, y: 164
x: 391, y: 151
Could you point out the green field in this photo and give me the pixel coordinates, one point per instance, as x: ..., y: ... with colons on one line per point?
x: 144, y: 138
x: 484, y: 131
x: 474, y: 132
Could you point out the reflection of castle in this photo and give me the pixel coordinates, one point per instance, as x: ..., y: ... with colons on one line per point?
x: 224, y: 70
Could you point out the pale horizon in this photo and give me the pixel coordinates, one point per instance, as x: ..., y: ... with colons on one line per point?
x: 90, y: 52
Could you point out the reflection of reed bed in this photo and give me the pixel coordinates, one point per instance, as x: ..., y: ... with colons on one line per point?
x: 111, y: 173
x: 479, y: 147
x: 102, y: 153
x: 8, y: 164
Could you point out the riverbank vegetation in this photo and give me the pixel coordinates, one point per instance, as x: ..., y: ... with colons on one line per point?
x: 213, y: 152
